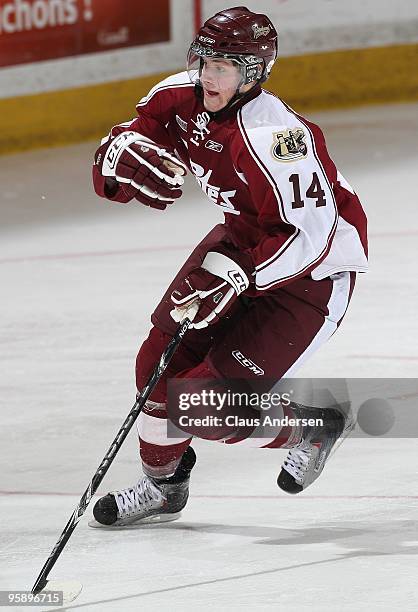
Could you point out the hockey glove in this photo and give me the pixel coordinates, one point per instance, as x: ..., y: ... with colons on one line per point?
x: 215, y: 286
x: 145, y: 171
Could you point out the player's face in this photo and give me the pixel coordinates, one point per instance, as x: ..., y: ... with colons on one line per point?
x: 220, y: 79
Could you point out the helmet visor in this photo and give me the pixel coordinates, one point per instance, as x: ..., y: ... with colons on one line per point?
x: 214, y: 71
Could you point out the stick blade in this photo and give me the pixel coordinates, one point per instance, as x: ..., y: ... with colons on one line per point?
x: 70, y: 589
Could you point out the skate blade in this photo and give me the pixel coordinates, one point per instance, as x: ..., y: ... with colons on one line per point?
x: 133, y: 524
x: 70, y: 589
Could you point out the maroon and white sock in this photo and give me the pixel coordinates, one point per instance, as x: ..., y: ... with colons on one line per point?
x: 160, y: 454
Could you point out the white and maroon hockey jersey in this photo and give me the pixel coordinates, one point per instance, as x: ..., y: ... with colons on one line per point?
x: 285, y: 203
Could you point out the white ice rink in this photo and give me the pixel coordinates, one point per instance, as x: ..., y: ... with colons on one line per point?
x: 79, y: 278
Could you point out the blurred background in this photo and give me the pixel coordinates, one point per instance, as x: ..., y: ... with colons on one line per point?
x: 69, y: 69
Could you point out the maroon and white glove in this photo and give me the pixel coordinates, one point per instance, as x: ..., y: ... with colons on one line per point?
x: 143, y: 170
x: 214, y: 286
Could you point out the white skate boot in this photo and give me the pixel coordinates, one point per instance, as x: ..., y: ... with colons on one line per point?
x: 151, y: 500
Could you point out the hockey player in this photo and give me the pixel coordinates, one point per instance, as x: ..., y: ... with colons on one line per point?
x: 272, y: 282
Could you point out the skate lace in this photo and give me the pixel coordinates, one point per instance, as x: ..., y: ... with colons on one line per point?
x: 133, y: 499
x: 297, y: 462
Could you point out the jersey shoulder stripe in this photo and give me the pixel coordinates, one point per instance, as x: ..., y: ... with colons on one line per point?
x: 175, y: 81
x: 252, y: 117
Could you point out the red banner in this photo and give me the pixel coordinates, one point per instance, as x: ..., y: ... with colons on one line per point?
x: 36, y: 30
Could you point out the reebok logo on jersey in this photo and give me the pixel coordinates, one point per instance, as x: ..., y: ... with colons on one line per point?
x: 289, y: 145
x: 214, y: 146
x: 247, y: 363
x: 182, y: 123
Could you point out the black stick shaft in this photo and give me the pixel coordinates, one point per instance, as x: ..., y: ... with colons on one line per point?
x: 80, y: 509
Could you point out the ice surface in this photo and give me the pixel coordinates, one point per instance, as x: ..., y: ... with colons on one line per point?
x: 79, y: 279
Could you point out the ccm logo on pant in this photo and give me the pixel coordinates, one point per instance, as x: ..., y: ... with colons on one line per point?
x: 247, y: 363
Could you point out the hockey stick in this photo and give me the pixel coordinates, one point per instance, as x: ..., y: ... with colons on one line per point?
x: 80, y: 509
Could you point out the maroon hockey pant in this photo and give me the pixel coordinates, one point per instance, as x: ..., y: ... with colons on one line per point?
x: 276, y: 333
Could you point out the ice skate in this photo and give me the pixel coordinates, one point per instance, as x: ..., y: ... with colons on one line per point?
x: 151, y: 500
x: 305, y: 462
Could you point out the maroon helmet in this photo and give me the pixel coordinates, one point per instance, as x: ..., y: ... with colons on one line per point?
x: 248, y: 39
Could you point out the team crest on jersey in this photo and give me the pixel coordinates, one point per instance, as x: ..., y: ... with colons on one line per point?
x: 201, y: 130
x: 289, y: 145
